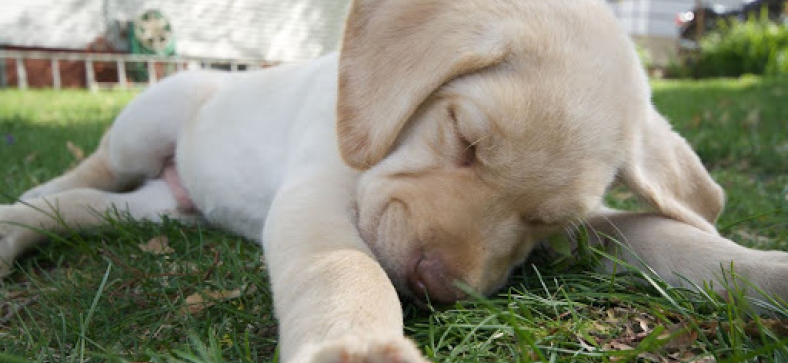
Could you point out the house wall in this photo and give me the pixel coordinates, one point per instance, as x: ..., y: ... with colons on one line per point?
x: 652, y: 23
x: 261, y: 29
x: 266, y: 29
x: 273, y: 30
x: 70, y: 24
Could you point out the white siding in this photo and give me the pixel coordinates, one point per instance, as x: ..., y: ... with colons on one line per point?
x: 276, y: 30
x: 270, y: 29
x: 50, y: 23
x: 656, y: 18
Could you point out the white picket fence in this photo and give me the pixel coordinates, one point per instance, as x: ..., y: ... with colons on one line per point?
x: 176, y: 64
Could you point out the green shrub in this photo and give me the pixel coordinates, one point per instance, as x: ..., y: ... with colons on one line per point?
x: 754, y: 47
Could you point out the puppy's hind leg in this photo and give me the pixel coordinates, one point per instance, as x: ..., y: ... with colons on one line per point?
x: 93, y: 172
x: 24, y: 224
x: 142, y: 138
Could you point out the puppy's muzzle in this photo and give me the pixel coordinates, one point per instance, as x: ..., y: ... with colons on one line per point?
x: 430, y: 281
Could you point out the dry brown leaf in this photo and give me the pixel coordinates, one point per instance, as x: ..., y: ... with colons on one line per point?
x: 683, y: 337
x: 585, y: 345
x: 611, y: 316
x: 751, y: 328
x: 157, y: 245
x: 622, y: 195
x: 194, y: 304
x: 753, y: 237
x: 643, y: 324
x: 30, y: 157
x: 725, y: 117
x: 697, y: 120
x: 705, y: 360
x: 616, y: 346
x: 75, y: 150
x: 199, y: 301
x: 651, y: 357
x: 753, y: 117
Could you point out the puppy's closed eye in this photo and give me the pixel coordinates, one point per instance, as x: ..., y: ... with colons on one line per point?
x: 467, y: 154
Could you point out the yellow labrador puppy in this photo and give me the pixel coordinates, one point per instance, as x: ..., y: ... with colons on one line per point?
x: 444, y: 142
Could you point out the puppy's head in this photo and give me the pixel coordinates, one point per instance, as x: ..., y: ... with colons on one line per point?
x: 483, y: 126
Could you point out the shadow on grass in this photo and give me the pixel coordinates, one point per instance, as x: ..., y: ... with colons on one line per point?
x: 34, y: 152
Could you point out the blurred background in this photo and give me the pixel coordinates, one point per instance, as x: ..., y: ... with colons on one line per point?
x: 125, y: 43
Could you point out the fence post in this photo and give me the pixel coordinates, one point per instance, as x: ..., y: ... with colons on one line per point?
x: 3, y: 76
x: 122, y: 74
x: 151, y: 72
x: 90, y: 74
x: 56, y: 81
x: 91, y: 81
x: 21, y: 74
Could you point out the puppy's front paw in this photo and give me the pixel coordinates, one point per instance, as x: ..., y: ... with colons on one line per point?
x: 361, y: 350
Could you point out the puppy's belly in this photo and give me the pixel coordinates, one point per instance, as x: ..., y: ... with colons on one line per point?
x: 233, y: 156
x: 230, y: 175
x: 233, y: 192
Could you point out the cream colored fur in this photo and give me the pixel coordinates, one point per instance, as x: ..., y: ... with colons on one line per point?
x: 445, y: 141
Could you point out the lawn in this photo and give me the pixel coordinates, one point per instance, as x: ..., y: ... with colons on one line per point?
x: 138, y: 292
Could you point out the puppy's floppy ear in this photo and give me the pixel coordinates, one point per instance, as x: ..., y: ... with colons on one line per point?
x: 394, y: 55
x: 663, y: 169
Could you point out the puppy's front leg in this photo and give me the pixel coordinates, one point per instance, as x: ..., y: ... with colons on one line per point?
x: 333, y: 300
x: 681, y: 253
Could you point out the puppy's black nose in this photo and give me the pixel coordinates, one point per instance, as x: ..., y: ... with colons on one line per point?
x: 429, y: 281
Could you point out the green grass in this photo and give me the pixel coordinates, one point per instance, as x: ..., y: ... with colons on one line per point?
x: 99, y: 297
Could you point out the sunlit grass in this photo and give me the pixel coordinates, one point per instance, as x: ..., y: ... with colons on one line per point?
x: 101, y: 296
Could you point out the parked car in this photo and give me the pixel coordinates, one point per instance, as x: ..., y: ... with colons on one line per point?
x: 701, y: 20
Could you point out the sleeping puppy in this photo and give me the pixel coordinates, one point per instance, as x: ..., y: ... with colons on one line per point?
x: 444, y: 142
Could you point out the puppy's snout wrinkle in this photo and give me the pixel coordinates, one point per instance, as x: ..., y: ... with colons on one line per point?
x: 429, y: 281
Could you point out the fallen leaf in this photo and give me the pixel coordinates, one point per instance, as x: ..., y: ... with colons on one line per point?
x: 616, y: 346
x: 751, y: 328
x: 681, y: 337
x: 199, y: 301
x: 753, y: 117
x: 157, y: 245
x: 75, y: 150
x: 697, y: 120
x: 725, y: 117
x: 30, y: 157
x: 643, y: 324
x: 585, y: 345
x: 622, y: 195
x: 194, y: 303
x: 651, y: 357
x: 706, y: 360
x: 753, y: 237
